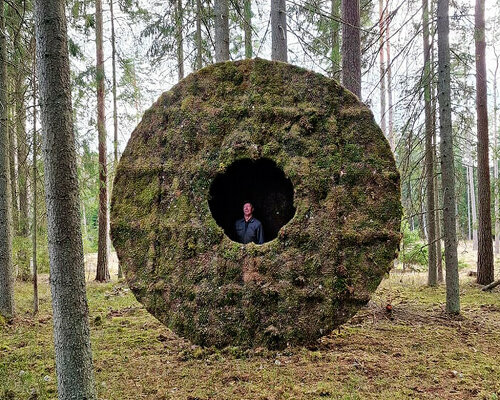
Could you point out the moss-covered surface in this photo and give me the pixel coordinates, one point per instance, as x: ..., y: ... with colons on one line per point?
x: 325, y: 262
x: 418, y: 354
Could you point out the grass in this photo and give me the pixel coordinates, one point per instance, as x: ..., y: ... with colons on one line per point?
x: 415, y: 352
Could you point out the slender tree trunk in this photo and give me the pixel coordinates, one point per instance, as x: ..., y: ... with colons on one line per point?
x: 473, y: 207
x: 22, y: 154
x: 221, y: 15
x: 23, y: 262
x: 495, y: 157
x: 439, y: 254
x: 67, y: 278
x: 6, y: 267
x: 351, y: 46
x: 335, y: 54
x: 382, y: 66
x: 247, y: 28
x: 180, y: 38
x: 469, y: 212
x: 199, y: 45
x: 429, y: 150
x: 447, y: 160
x: 437, y: 202
x: 102, y: 274
x: 13, y: 172
x: 279, y: 47
x: 35, y: 172
x: 390, y: 125
x: 485, y: 267
x: 115, y: 109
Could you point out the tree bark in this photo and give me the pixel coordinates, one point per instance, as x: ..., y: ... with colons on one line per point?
x: 13, y: 168
x: 381, y: 50
x: 115, y: 106
x: 221, y: 15
x: 485, y: 266
x: 279, y: 47
x: 67, y: 278
x: 495, y: 156
x: 473, y: 206
x: 22, y: 152
x: 447, y: 160
x: 199, y: 50
x: 335, y: 54
x: 180, y: 38
x: 390, y: 122
x: 6, y: 267
x: 351, y: 46
x: 35, y: 195
x: 429, y: 150
x: 102, y: 274
x: 247, y: 27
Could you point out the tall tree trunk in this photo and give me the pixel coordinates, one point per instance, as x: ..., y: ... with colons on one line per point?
x: 221, y: 15
x: 495, y: 156
x: 382, y: 66
x: 447, y: 160
x: 429, y: 150
x: 485, y: 267
x: 247, y: 27
x: 351, y: 46
x: 13, y: 169
x: 437, y: 203
x: 22, y: 153
x: 35, y: 172
x: 390, y: 124
x: 67, y: 278
x: 180, y: 38
x: 6, y: 267
x: 102, y: 274
x: 279, y: 46
x: 469, y: 211
x: 335, y: 54
x: 439, y: 254
x: 199, y: 49
x: 115, y: 107
x: 473, y: 206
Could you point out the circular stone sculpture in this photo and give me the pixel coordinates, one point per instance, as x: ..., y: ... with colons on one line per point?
x: 324, y: 149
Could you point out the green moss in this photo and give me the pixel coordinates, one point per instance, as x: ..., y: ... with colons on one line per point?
x: 325, y: 261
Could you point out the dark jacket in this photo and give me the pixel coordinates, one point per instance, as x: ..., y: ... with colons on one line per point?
x: 250, y: 231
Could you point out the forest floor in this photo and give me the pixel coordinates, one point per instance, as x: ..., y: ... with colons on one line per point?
x: 414, y: 352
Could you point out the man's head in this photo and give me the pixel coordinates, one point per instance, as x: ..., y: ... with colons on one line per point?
x: 247, y: 210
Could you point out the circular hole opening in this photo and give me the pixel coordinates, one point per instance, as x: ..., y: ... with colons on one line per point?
x: 259, y: 182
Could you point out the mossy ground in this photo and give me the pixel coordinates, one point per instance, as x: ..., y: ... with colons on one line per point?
x: 417, y: 353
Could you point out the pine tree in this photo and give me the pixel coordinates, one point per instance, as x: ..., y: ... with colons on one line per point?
x: 6, y: 267
x: 447, y: 159
x: 67, y: 277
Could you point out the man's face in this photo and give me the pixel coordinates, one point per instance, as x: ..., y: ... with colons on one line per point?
x: 247, y: 209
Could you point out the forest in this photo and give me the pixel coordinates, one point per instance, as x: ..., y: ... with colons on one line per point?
x: 77, y: 77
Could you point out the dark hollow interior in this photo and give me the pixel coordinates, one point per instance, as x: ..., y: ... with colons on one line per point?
x: 259, y: 182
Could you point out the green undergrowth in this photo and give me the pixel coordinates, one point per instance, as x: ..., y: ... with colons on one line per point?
x: 413, y: 352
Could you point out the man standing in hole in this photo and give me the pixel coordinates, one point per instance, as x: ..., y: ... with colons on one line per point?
x: 249, y: 229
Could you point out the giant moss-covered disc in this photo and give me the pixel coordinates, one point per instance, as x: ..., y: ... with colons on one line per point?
x: 325, y: 185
